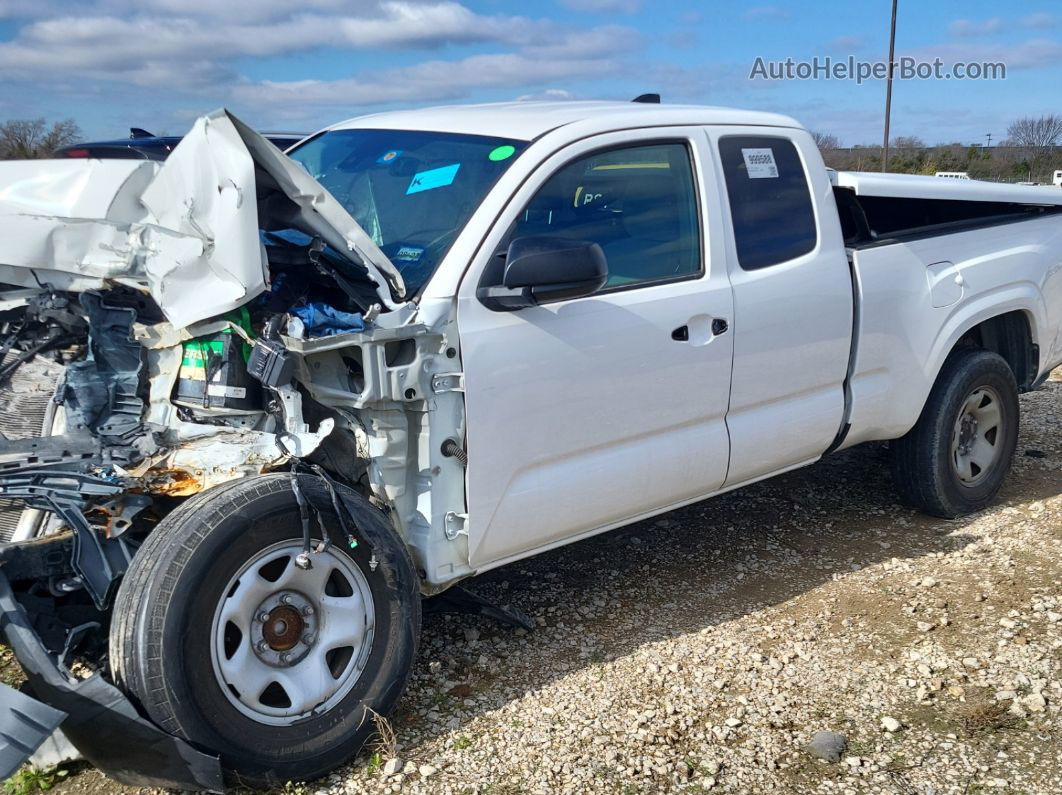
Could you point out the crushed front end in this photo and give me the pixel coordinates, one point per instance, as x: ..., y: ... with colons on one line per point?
x: 167, y: 330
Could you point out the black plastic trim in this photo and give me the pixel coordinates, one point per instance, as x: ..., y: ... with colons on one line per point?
x: 954, y: 228
x: 101, y: 722
x: 25, y: 724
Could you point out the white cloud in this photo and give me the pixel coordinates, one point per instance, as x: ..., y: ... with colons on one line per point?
x: 1020, y: 55
x: 156, y: 49
x: 247, y: 11
x: 192, y: 53
x: 682, y: 39
x: 1040, y: 19
x: 698, y: 83
x: 766, y: 12
x: 607, y: 40
x: 847, y: 44
x: 604, y: 6
x: 966, y: 28
x: 432, y: 81
x: 550, y: 94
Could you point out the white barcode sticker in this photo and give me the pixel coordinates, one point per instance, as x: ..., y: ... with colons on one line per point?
x: 220, y: 390
x: 759, y: 163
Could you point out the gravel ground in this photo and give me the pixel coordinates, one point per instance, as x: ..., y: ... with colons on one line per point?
x: 702, y: 650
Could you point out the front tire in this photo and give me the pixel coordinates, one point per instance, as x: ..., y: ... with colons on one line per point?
x: 225, y: 642
x: 953, y: 462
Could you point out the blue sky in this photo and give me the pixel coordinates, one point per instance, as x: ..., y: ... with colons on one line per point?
x: 112, y: 64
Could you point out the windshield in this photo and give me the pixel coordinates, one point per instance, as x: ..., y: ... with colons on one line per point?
x: 411, y: 191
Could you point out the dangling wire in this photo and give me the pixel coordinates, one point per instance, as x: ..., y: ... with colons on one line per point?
x: 337, y: 506
x: 302, y: 560
x: 306, y: 504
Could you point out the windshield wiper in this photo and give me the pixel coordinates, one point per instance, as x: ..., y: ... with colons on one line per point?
x: 326, y: 268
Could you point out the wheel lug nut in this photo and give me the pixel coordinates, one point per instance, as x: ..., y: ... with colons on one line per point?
x: 308, y: 638
x: 286, y: 599
x: 263, y: 617
x: 284, y: 658
x: 262, y: 646
x: 307, y: 611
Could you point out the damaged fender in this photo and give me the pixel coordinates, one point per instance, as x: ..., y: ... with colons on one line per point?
x: 186, y: 231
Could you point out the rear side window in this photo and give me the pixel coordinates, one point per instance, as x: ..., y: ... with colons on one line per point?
x: 769, y: 200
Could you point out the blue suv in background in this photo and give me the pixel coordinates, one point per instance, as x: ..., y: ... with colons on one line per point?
x: 142, y: 145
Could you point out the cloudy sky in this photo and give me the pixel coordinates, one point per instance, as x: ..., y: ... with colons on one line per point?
x: 301, y: 64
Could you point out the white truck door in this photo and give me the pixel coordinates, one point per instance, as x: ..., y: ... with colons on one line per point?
x: 793, y: 299
x: 585, y: 413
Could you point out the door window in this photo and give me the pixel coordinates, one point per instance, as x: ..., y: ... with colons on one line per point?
x: 769, y: 200
x: 637, y: 203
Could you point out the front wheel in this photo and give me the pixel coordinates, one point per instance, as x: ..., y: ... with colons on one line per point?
x: 953, y: 462
x: 226, y: 642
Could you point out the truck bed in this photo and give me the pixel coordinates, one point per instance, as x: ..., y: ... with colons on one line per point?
x: 931, y: 258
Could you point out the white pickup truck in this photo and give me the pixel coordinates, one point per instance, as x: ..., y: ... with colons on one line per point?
x: 260, y: 408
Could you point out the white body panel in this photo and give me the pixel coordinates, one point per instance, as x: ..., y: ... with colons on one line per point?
x: 583, y: 413
x: 792, y: 337
x: 903, y: 338
x: 529, y: 121
x: 914, y: 186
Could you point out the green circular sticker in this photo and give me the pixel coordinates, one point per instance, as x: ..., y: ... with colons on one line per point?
x: 502, y: 153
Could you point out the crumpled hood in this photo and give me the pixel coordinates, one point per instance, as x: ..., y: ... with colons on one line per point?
x: 187, y: 231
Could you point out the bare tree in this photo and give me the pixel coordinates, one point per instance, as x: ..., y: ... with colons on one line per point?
x: 826, y: 142
x: 1038, y: 133
x: 907, y: 142
x: 33, y: 138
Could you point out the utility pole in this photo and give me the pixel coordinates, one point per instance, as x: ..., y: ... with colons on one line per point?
x: 989, y: 137
x: 888, y: 90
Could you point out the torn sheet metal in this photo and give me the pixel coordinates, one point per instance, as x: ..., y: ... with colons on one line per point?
x: 318, y: 211
x: 83, y: 224
x: 186, y: 231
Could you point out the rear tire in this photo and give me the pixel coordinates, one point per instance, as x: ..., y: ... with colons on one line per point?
x: 202, y: 635
x: 953, y: 462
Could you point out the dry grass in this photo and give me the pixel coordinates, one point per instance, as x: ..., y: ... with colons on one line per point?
x: 384, y: 742
x: 982, y: 717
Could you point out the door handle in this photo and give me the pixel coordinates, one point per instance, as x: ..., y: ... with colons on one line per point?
x: 701, y: 323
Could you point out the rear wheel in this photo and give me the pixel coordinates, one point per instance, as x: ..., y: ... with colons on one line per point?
x: 226, y: 642
x: 953, y: 462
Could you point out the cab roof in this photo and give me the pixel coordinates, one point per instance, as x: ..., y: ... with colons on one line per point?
x: 529, y: 120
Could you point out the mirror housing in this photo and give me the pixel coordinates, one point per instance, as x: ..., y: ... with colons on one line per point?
x: 542, y: 269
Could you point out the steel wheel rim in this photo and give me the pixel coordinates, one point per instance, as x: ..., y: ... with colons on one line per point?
x: 288, y: 643
x: 977, y: 438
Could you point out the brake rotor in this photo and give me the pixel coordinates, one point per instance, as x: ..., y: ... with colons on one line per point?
x: 283, y: 629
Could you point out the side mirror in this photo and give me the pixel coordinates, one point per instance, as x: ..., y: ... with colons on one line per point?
x: 541, y: 269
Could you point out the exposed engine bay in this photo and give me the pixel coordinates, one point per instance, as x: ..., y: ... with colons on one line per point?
x: 205, y: 325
